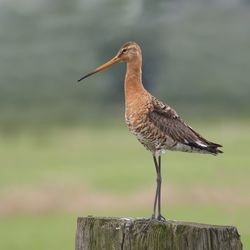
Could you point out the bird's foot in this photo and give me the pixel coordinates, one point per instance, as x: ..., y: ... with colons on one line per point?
x: 150, y: 221
x: 161, y: 218
x: 153, y: 217
x: 147, y: 224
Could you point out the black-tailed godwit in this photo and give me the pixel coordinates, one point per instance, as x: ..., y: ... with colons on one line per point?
x: 155, y: 124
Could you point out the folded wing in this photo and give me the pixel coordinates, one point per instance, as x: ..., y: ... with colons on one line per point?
x: 167, y: 120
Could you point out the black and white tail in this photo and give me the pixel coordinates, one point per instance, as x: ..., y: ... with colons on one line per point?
x: 206, y: 146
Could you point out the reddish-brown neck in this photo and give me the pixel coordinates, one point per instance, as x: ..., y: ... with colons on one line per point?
x: 133, y: 81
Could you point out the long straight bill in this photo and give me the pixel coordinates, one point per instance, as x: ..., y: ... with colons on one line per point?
x: 102, y: 67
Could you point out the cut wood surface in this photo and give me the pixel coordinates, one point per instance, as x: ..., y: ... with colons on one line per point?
x: 97, y: 233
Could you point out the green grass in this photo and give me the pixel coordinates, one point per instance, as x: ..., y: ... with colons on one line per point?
x: 112, y: 161
x: 53, y: 231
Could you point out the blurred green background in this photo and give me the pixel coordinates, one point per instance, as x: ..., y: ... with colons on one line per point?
x: 64, y: 148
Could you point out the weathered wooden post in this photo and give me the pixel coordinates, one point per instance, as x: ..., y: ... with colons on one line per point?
x: 95, y: 233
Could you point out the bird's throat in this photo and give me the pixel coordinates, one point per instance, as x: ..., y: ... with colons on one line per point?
x: 133, y: 81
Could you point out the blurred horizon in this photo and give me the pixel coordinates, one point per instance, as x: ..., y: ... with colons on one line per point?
x: 195, y: 58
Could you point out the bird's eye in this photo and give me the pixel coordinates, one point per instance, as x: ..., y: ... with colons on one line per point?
x: 124, y: 50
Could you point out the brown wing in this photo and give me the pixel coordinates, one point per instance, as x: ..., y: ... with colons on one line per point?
x: 168, y: 121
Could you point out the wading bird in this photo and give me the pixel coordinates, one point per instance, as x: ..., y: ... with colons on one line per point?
x: 155, y: 124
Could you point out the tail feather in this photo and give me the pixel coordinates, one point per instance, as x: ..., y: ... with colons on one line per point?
x: 207, y: 146
x: 204, y: 144
x: 213, y: 147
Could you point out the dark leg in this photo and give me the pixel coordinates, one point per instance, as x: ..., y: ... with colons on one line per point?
x: 157, y: 195
x: 159, y: 217
x: 157, y: 187
x: 144, y: 229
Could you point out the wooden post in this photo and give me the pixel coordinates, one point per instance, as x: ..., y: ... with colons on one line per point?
x: 95, y: 233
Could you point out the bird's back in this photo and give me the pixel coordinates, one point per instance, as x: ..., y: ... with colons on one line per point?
x: 159, y: 128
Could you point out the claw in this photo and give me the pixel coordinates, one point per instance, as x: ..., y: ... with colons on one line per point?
x: 161, y: 218
x: 146, y: 226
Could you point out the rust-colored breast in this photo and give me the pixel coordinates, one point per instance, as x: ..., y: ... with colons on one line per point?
x: 155, y: 124
x: 138, y: 120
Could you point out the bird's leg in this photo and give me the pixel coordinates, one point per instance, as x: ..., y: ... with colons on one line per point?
x: 159, y: 217
x: 145, y: 227
x: 157, y: 187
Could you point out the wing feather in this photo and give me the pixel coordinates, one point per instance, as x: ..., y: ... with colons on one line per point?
x: 168, y: 121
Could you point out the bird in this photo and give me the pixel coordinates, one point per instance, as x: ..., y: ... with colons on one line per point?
x: 155, y: 124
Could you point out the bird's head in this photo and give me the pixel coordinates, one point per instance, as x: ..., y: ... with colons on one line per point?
x: 129, y: 51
